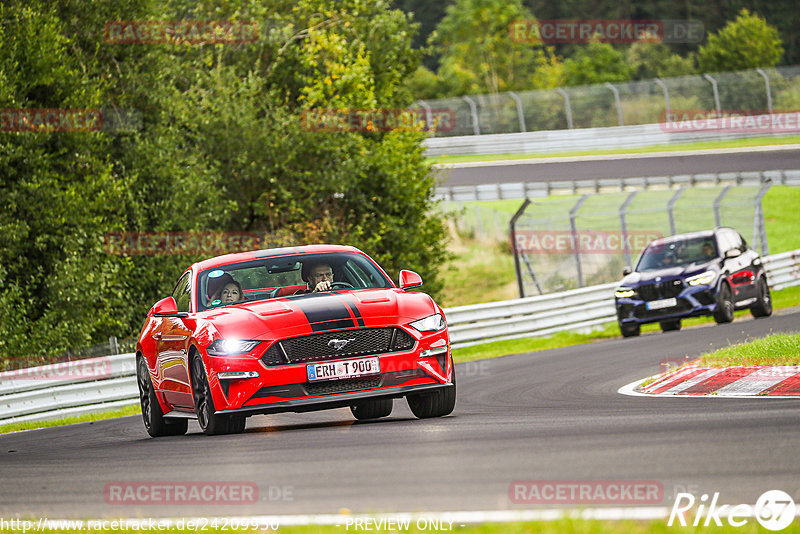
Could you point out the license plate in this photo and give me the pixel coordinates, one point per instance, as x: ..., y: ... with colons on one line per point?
x: 661, y: 304
x: 343, y: 369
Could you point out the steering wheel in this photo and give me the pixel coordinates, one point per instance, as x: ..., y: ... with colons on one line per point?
x: 343, y: 285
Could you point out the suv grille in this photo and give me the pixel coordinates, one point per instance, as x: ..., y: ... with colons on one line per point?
x: 321, y: 347
x: 660, y: 290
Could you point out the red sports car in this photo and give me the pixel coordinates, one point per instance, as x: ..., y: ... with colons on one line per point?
x: 291, y: 330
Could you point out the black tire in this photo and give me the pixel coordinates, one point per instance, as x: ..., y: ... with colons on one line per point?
x: 671, y: 325
x: 152, y: 415
x: 210, y: 423
x: 724, y: 313
x: 763, y: 306
x: 631, y: 330
x: 437, y: 404
x: 372, y: 409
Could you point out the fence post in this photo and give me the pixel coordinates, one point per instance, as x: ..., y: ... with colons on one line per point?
x: 624, y: 226
x: 671, y: 210
x: 473, y: 109
x: 113, y: 345
x: 574, y: 230
x: 717, y: 202
x: 428, y: 114
x: 716, y: 93
x: 513, y: 233
x: 520, y: 115
x: 567, y: 106
x: 666, y: 96
x: 759, y: 229
x: 769, y: 92
x: 617, y: 102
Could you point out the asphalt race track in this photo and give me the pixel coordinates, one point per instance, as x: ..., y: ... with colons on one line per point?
x: 623, y: 166
x: 553, y: 415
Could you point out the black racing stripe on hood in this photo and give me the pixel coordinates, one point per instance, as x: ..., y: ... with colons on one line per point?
x: 353, y: 308
x: 324, y: 311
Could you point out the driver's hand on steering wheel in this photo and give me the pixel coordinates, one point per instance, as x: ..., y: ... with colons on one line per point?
x: 325, y: 285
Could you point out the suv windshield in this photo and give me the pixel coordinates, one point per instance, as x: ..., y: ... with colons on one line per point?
x: 284, y: 276
x: 662, y: 254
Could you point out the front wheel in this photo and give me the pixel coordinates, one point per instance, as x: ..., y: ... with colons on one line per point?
x: 372, y: 409
x: 724, y: 313
x: 763, y: 306
x: 671, y: 325
x: 152, y: 415
x: 436, y: 404
x: 210, y: 422
x: 629, y: 330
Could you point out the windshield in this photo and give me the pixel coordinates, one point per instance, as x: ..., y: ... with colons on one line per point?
x: 284, y: 276
x: 663, y: 255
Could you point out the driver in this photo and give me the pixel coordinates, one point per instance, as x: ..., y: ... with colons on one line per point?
x: 320, y: 278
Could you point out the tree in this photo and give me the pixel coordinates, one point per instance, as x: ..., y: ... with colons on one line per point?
x: 745, y: 43
x: 649, y: 60
x: 596, y: 63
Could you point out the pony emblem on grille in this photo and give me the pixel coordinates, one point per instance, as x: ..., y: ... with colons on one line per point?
x: 339, y: 344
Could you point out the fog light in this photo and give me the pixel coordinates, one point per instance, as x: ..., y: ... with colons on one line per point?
x: 237, y: 374
x: 432, y: 352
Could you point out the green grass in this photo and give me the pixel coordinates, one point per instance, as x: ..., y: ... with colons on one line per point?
x: 737, y: 143
x: 15, y: 427
x: 572, y: 526
x: 775, y: 349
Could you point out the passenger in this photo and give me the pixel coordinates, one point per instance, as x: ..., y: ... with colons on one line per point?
x: 224, y: 290
x: 708, y: 251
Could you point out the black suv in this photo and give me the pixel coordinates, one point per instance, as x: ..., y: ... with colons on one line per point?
x: 687, y: 275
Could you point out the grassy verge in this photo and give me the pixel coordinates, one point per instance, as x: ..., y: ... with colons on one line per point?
x: 14, y: 427
x: 785, y: 298
x: 702, y: 145
x: 775, y: 349
x: 574, y: 526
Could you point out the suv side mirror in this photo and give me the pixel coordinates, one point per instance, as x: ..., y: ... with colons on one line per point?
x: 627, y: 270
x: 409, y: 279
x: 166, y: 307
x: 733, y: 253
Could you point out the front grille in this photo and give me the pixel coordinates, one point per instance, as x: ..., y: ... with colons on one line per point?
x: 342, y: 386
x: 323, y: 346
x: 660, y: 290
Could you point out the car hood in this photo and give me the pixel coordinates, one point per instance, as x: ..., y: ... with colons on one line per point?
x: 679, y: 271
x: 317, y: 312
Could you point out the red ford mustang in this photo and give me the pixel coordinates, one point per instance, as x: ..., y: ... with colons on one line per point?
x: 291, y: 330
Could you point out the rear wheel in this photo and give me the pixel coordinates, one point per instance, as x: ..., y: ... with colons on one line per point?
x: 437, y: 404
x: 372, y: 409
x: 763, y: 306
x: 671, y: 325
x: 724, y: 313
x: 152, y: 415
x: 210, y: 423
x: 629, y: 330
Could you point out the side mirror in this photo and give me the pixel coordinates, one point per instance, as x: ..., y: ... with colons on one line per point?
x: 166, y: 307
x: 627, y: 270
x: 409, y: 279
x: 733, y: 253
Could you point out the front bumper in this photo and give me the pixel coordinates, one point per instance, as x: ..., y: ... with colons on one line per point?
x: 286, y: 388
x: 691, y: 302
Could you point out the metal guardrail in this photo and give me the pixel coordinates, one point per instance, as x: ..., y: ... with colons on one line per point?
x: 583, y: 139
x: 97, y: 384
x: 521, y: 190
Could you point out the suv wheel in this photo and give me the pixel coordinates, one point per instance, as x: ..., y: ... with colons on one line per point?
x: 629, y: 330
x: 724, y: 313
x: 763, y: 306
x: 671, y: 325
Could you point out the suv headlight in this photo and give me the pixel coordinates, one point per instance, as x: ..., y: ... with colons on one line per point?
x: 702, y: 278
x: 624, y: 292
x: 432, y: 323
x: 230, y: 347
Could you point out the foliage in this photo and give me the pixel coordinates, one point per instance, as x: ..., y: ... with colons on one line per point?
x: 650, y: 60
x: 745, y: 43
x: 596, y: 63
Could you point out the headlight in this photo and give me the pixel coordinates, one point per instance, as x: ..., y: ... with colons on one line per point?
x: 432, y: 323
x: 701, y: 279
x: 230, y: 347
x: 624, y: 292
